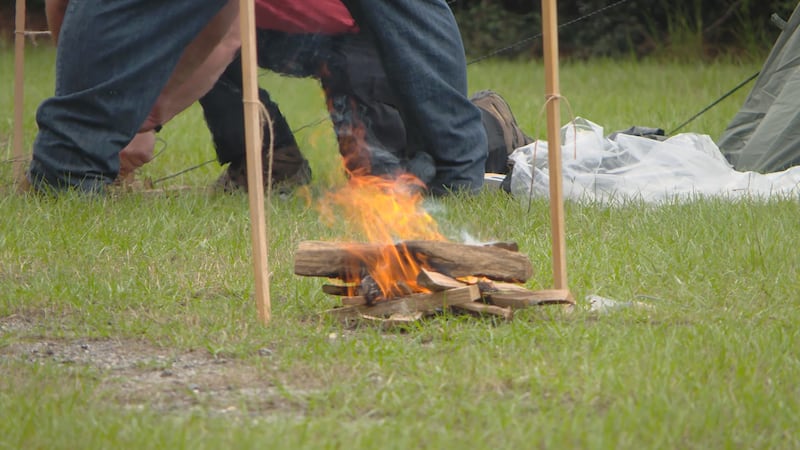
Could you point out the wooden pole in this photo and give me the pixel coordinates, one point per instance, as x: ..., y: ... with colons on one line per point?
x: 19, y: 95
x: 253, y: 142
x: 552, y: 96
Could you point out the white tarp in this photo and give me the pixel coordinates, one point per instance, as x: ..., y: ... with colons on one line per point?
x: 684, y: 166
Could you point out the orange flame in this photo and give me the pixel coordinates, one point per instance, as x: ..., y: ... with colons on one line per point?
x: 384, y: 211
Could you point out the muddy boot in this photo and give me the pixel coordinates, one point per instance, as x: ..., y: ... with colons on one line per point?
x: 289, y: 170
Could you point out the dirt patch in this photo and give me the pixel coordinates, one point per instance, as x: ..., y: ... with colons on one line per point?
x: 14, y: 323
x: 139, y: 375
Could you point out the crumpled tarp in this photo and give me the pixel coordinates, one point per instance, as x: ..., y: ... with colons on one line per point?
x: 684, y: 166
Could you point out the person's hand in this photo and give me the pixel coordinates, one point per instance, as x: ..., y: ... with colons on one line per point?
x: 136, y: 154
x: 154, y: 119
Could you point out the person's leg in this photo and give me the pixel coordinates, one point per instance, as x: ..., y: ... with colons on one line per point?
x: 361, y: 102
x: 365, y: 113
x: 357, y: 93
x: 113, y: 59
x: 294, y: 55
x: 222, y: 108
x: 423, y: 56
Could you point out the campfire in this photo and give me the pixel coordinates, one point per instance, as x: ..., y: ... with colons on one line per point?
x: 477, y: 279
x: 400, y: 267
x: 406, y: 269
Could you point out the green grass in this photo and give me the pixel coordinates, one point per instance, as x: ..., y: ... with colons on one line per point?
x: 713, y: 364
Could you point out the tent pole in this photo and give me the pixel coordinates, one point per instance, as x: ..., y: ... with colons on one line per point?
x: 552, y: 98
x: 19, y: 95
x: 255, y: 174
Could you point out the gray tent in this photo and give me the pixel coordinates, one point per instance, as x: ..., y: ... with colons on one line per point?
x: 764, y: 136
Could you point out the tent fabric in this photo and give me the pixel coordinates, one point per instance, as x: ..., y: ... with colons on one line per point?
x: 764, y: 136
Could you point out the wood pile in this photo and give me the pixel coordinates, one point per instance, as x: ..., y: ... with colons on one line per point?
x: 475, y: 279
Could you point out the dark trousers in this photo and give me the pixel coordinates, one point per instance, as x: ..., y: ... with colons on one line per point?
x: 357, y: 92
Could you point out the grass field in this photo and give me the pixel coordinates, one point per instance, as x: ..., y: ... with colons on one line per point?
x: 128, y: 321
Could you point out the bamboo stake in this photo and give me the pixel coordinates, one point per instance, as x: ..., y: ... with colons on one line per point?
x: 550, y: 40
x: 255, y: 175
x: 19, y: 95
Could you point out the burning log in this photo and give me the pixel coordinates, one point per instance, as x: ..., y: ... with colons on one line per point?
x: 459, y: 260
x: 436, y: 281
x: 329, y: 259
x: 344, y: 260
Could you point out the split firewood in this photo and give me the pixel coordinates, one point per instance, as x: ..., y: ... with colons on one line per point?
x: 436, y: 281
x: 353, y: 301
x: 512, y: 246
x: 340, y: 290
x: 480, y: 308
x: 404, y: 288
x: 343, y: 260
x: 424, y: 303
x: 516, y: 297
x: 394, y: 321
x: 433, y: 281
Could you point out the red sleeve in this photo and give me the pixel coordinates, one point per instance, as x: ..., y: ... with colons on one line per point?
x: 304, y: 16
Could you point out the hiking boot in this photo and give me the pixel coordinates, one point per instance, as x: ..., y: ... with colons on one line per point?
x: 502, y: 131
x: 496, y: 105
x: 289, y: 170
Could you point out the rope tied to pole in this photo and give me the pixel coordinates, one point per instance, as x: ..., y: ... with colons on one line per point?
x: 548, y: 99
x: 265, y: 119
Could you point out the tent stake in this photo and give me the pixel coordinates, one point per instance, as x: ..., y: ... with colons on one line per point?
x: 552, y: 98
x: 19, y: 95
x: 255, y: 175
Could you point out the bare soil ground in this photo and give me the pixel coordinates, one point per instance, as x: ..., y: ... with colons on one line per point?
x: 140, y: 375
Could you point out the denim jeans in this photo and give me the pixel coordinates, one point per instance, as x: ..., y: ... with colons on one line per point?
x: 222, y: 109
x: 423, y: 55
x: 112, y: 61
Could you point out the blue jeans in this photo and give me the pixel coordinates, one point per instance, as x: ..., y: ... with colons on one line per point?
x: 423, y: 55
x: 112, y: 61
